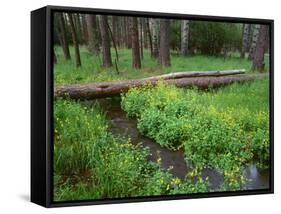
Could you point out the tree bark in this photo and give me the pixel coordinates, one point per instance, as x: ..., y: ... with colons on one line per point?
x: 258, y: 56
x: 154, y: 35
x: 136, y: 61
x: 184, y: 37
x: 78, y: 27
x: 141, y: 37
x: 125, y: 32
x: 93, y: 46
x: 254, y: 41
x: 64, y: 41
x: 114, y: 29
x: 245, y: 37
x: 106, y: 89
x: 84, y: 28
x: 164, y: 52
x: 106, y: 54
x: 145, y: 33
x: 75, y: 41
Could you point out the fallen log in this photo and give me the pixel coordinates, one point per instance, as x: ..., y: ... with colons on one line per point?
x: 108, y: 89
x: 177, y: 75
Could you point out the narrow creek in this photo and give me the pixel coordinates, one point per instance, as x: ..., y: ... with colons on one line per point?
x: 120, y: 124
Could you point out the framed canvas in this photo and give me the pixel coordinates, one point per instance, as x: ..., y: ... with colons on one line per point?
x: 131, y: 106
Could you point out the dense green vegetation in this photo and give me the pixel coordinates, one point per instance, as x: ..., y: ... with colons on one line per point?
x: 65, y: 72
x: 92, y: 163
x: 221, y: 129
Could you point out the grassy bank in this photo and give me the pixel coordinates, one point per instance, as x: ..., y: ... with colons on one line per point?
x: 65, y: 72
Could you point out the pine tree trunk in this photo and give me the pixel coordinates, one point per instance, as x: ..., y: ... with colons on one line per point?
x: 85, y: 28
x: 145, y: 36
x: 245, y: 37
x: 63, y: 37
x: 75, y: 41
x: 125, y: 32
x: 92, y: 35
x: 114, y: 29
x: 78, y: 27
x: 136, y: 61
x: 184, y: 37
x: 149, y: 37
x: 106, y: 54
x: 129, y: 36
x: 254, y: 41
x: 258, y: 57
x: 164, y: 52
x: 141, y: 38
x: 154, y: 32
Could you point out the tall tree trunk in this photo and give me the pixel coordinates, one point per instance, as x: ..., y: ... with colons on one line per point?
x: 119, y: 32
x: 155, y: 40
x: 114, y: 29
x: 145, y: 36
x: 164, y: 52
x: 245, y: 41
x: 75, y: 41
x: 254, y: 42
x: 250, y: 37
x: 84, y: 28
x: 136, y: 61
x: 106, y: 54
x: 125, y: 32
x: 141, y: 37
x: 64, y: 41
x: 93, y: 46
x: 77, y: 26
x: 129, y: 36
x: 115, y: 48
x: 258, y: 57
x: 149, y: 36
x: 184, y: 37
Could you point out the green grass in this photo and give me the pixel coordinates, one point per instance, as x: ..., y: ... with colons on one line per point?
x: 65, y: 72
x: 91, y: 163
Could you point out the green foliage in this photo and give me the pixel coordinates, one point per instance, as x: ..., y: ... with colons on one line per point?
x: 193, y: 183
x: 222, y: 129
x: 212, y: 38
x: 91, y: 163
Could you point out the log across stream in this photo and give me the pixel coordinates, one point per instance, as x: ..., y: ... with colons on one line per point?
x: 202, y: 80
x: 120, y: 124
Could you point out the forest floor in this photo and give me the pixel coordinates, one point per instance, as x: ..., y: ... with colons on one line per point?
x: 65, y: 72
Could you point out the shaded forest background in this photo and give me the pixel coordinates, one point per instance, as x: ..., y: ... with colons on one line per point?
x: 108, y: 37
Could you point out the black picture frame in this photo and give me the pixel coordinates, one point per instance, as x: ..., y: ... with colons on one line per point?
x: 42, y: 108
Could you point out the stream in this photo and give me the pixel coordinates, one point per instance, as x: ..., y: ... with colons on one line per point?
x: 120, y: 124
